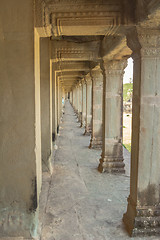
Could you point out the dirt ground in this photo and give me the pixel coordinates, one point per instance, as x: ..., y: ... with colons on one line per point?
x: 127, y: 128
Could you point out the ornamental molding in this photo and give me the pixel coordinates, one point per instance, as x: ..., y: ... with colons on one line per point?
x: 88, y: 78
x: 68, y: 16
x: 144, y: 42
x: 62, y: 51
x: 73, y: 54
x: 149, y: 38
x: 150, y: 52
x: 115, y: 67
x: 96, y: 74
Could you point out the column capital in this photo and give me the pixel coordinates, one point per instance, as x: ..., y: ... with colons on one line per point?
x: 144, y: 42
x: 88, y: 78
x: 83, y: 81
x: 79, y: 83
x: 96, y: 73
x: 115, y: 67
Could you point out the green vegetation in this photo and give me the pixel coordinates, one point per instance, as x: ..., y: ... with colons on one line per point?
x: 127, y: 146
x: 127, y: 91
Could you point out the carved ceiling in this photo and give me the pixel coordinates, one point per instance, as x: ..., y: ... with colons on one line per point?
x: 85, y: 31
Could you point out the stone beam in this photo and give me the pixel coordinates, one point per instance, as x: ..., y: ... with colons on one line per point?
x: 115, y: 48
x: 73, y: 65
x: 71, y: 18
x: 148, y: 12
x: 70, y: 51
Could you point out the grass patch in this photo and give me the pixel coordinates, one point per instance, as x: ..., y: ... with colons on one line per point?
x: 127, y: 146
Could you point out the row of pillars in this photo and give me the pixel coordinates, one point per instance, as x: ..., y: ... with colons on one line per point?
x: 30, y: 106
x: 51, y: 95
x: 98, y: 102
x: 102, y: 117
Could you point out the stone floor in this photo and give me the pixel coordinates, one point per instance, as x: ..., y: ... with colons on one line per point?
x: 77, y: 202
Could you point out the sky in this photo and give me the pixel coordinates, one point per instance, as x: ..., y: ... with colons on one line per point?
x: 128, y: 71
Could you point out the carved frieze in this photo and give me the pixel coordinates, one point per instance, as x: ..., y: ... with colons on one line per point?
x: 84, y: 17
x: 115, y: 67
x: 144, y: 42
x: 70, y: 51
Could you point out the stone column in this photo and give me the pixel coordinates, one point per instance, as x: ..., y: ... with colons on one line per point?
x: 88, y: 127
x: 60, y: 101
x: 97, y: 92
x: 73, y: 101
x: 112, y: 149
x: 58, y: 94
x: 76, y: 99
x: 71, y: 97
x: 80, y: 104
x: 20, y: 128
x: 143, y: 212
x: 54, y: 103
x: 46, y: 104
x: 83, y: 103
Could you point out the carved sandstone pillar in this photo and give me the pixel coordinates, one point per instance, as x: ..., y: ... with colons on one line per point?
x: 80, y: 103
x: 88, y: 127
x: 46, y: 104
x: 54, y: 102
x: 143, y: 212
x: 112, y: 150
x: 74, y: 98
x: 60, y: 101
x: 97, y: 92
x: 83, y: 104
x: 58, y: 94
x: 71, y: 97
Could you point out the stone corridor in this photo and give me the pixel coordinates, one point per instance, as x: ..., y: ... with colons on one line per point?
x: 77, y: 202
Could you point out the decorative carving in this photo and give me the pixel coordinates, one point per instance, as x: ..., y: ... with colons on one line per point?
x: 150, y: 52
x: 115, y: 67
x: 64, y: 14
x: 88, y: 78
x: 144, y: 42
x: 96, y: 74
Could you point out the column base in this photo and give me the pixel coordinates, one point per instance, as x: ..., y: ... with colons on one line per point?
x: 142, y: 221
x: 80, y: 117
x: 88, y: 131
x: 95, y: 143
x: 83, y: 124
x: 18, y: 222
x: 111, y: 165
x: 47, y: 165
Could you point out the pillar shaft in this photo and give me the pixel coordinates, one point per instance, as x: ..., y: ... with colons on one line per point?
x: 46, y: 104
x: 143, y: 212
x: 77, y: 100
x: 112, y: 150
x: 84, y: 104
x: 54, y: 102
x: 74, y: 100
x: 20, y: 144
x: 58, y: 103
x: 71, y: 97
x: 97, y: 92
x: 88, y: 127
x: 80, y: 103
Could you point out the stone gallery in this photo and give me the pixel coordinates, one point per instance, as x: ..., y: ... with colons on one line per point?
x: 77, y: 50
